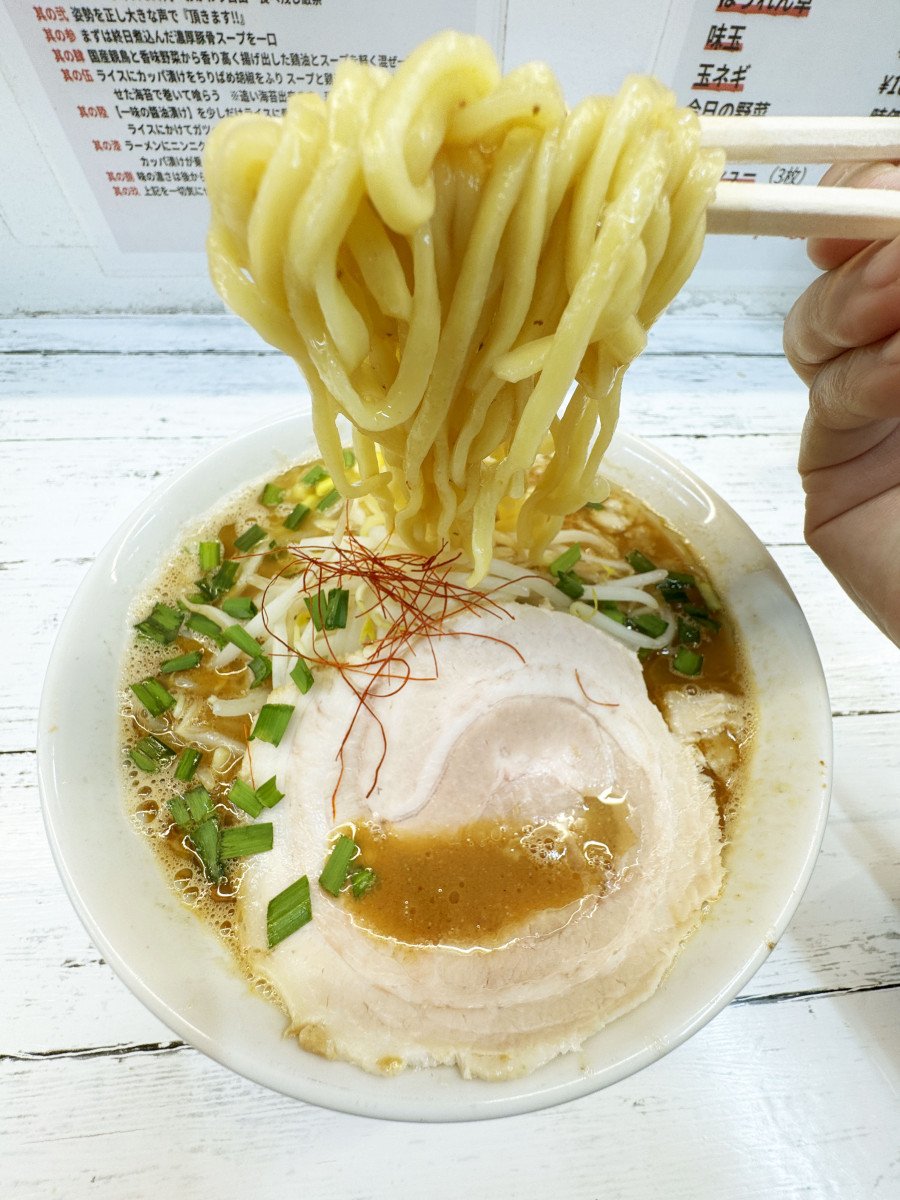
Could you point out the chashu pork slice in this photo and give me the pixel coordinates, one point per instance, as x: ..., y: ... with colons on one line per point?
x: 505, y: 727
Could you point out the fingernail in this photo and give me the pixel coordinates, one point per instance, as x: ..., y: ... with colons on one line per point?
x: 883, y: 268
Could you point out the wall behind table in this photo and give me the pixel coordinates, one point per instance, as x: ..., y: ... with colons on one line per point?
x: 48, y: 263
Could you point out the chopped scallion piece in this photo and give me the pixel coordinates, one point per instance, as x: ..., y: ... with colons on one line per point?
x: 240, y: 840
x: 149, y: 753
x: 639, y: 563
x: 184, y: 662
x: 328, y: 500
x: 682, y: 578
x: 566, y: 560
x: 672, y: 591
x: 610, y: 609
x: 314, y: 475
x: 241, y: 608
x: 272, y: 722
x: 153, y: 696
x: 243, y: 795
x: 210, y: 555
x: 200, y: 624
x: 316, y: 608
x: 205, y: 839
x: 260, y: 668
x: 180, y: 814
x: 687, y: 662
x: 713, y: 603
x: 162, y: 625
x: 362, y: 881
x: 570, y: 585
x: 701, y: 615
x: 335, y: 870
x: 249, y: 538
x: 596, y: 505
x: 650, y: 623
x: 337, y: 609
x: 187, y: 764
x: 288, y: 911
x: 271, y: 495
x: 302, y: 676
x: 268, y: 794
x: 224, y: 578
x: 688, y: 632
x: 349, y: 459
x: 296, y: 515
x: 199, y: 803
x: 644, y: 652
x: 238, y: 636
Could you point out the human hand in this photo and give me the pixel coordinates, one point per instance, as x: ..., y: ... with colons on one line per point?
x: 842, y: 337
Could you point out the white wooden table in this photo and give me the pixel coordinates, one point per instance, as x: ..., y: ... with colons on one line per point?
x: 791, y: 1092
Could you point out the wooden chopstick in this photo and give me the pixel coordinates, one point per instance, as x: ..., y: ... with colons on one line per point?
x: 803, y: 139
x: 785, y: 210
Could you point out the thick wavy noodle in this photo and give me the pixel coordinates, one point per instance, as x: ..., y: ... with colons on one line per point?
x: 443, y: 251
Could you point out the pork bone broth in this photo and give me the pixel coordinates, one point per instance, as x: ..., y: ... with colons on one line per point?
x: 437, y: 824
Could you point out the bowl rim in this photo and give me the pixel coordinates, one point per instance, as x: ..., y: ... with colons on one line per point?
x: 278, y: 432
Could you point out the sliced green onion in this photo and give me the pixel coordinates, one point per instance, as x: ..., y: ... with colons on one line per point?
x: 570, y: 585
x: 701, y: 615
x: 149, y: 753
x: 349, y: 458
x: 268, y: 794
x: 222, y: 581
x: 672, y: 591
x: 315, y: 475
x: 316, y: 607
x: 205, y: 839
x: 610, y: 609
x: 249, y: 538
x: 335, y: 870
x: 683, y: 578
x: 153, y: 696
x: 199, y: 803
x: 328, y: 500
x: 596, y: 505
x: 200, y: 624
x: 271, y: 495
x: 180, y: 814
x: 362, y: 881
x: 688, y: 633
x: 288, y: 911
x: 650, y: 623
x: 272, y: 722
x: 243, y: 795
x: 260, y: 668
x: 644, y: 652
x: 184, y: 662
x: 187, y: 764
x: 162, y: 625
x: 687, y: 662
x: 241, y: 608
x: 241, y: 840
x: 639, y: 563
x: 713, y: 603
x: 337, y: 608
x: 302, y: 676
x: 295, y: 516
x: 210, y: 554
x: 238, y: 636
x: 566, y: 560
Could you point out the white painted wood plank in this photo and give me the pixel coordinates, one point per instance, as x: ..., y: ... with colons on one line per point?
x: 225, y: 334
x: 48, y: 396
x: 794, y: 1101
x: 59, y: 994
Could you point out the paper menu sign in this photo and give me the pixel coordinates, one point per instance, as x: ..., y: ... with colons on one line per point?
x: 126, y: 93
x: 783, y: 58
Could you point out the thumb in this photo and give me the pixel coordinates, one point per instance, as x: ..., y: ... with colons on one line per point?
x: 827, y: 253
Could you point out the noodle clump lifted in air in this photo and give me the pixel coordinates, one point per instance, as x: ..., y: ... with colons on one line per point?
x: 442, y: 251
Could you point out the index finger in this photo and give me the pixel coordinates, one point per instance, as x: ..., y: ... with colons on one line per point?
x: 827, y: 253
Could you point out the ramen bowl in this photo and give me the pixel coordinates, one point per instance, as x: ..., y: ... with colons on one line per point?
x: 186, y: 976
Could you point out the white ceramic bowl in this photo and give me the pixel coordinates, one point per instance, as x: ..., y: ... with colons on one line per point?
x: 180, y: 970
